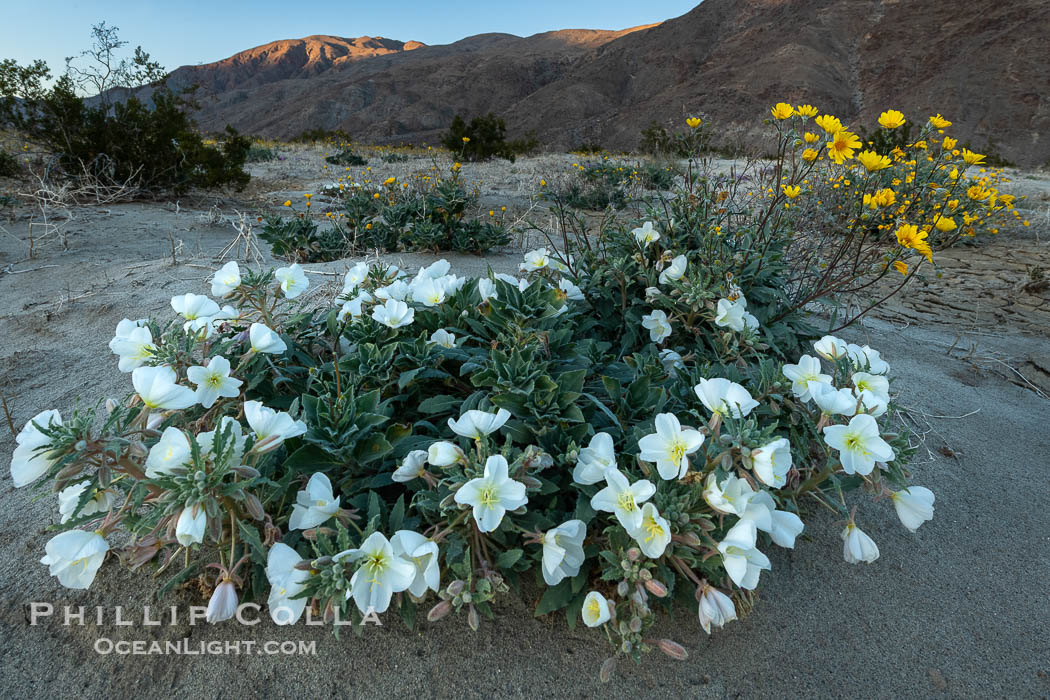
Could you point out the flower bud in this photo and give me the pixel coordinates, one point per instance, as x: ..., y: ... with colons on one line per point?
x: 456, y: 587
x: 246, y: 471
x: 656, y: 588
x: 303, y: 565
x: 253, y: 506
x: 608, y: 668
x: 634, y: 553
x: 622, y: 588
x: 154, y: 421
x: 672, y: 649
x: 138, y: 450
x: 439, y: 611
x: 645, y: 574
x: 223, y: 603
x: 111, y: 405
x: 530, y: 482
x: 473, y: 619
x: 636, y: 625
x: 322, y: 562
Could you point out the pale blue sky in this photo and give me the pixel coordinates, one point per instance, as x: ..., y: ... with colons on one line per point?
x: 185, y: 33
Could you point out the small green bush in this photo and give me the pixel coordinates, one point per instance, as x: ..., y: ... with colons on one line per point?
x: 301, y: 240
x: 485, y: 138
x: 9, y: 165
x: 261, y: 154
x: 346, y: 157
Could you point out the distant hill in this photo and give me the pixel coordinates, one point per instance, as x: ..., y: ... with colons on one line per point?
x: 984, y: 64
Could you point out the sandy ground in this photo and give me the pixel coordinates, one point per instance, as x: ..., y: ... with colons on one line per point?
x: 959, y: 609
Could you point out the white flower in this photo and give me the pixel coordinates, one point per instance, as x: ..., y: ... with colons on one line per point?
x: 412, y: 467
x: 864, y: 358
x: 857, y: 547
x: 623, y: 498
x: 101, y: 501
x: 444, y: 454
x: 126, y: 326
x: 572, y: 292
x: 313, y: 505
x: 293, y: 280
x: 741, y: 560
x: 380, y: 575
x: 658, y: 324
x: 354, y: 277
x: 427, y: 292
x: 226, y: 279
x: 422, y: 553
x: 832, y: 401
x: 595, y: 609
x: 435, y: 269
x: 670, y: 446
x: 807, y: 370
x: 535, y: 260
x: 451, y: 284
x: 208, y: 323
x: 563, y: 551
x: 750, y: 321
x: 74, y: 557
x: 354, y: 307
x: 730, y: 314
x: 271, y: 427
x: 214, y: 381
x: 771, y: 462
x: 171, y: 452
x: 594, y: 459
x: 859, y: 444
x: 492, y: 495
x: 734, y: 496
x: 724, y: 397
x: 830, y: 348
x: 716, y: 608
x: 783, y: 526
x: 157, y: 388
x: 394, y: 314
x: 674, y: 271
x: 671, y: 360
x: 476, y: 424
x: 914, y: 506
x: 206, y: 441
x: 645, y: 234
x: 263, y: 339
x: 286, y: 582
x: 134, y: 346
x: 443, y: 338
x: 194, y: 306
x: 487, y: 289
x: 191, y: 524
x: 522, y: 285
x: 29, y: 462
x: 873, y: 383
x: 397, y: 290
x: 223, y: 602
x: 654, y: 534
x: 871, y: 403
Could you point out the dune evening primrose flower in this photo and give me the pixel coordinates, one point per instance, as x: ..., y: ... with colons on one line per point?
x: 443, y: 338
x: 724, y: 397
x: 444, y: 454
x: 783, y: 526
x: 730, y: 314
x: 476, y: 424
x: 716, y: 608
x: 493, y: 494
x: 871, y: 403
x: 354, y: 277
x: 658, y: 324
x: 292, y: 279
x: 595, y: 611
x: 535, y: 260
x: 646, y: 234
x: 807, y: 370
x: 398, y: 290
x: 875, y: 383
x: 194, y: 306
x: 654, y: 534
x: 262, y: 339
x: 623, y: 498
x: 830, y: 348
x: 674, y: 271
x: 314, y: 505
x: 214, y: 381
x: 671, y: 360
x: 427, y: 291
x: 354, y: 307
x: 914, y: 506
x: 729, y: 497
x: 412, y: 467
x: 563, y: 551
x: 865, y: 358
x: 191, y: 525
x: 226, y: 279
x: 100, y: 501
x: 771, y: 462
x: 487, y: 289
x: 572, y: 292
x: 74, y: 557
x: 223, y: 602
x: 286, y: 582
x: 832, y: 401
x: 380, y: 574
x: 742, y: 561
x: 422, y: 553
x: 594, y: 459
x: 670, y: 446
x: 171, y: 452
x: 29, y: 461
x: 859, y: 444
x: 157, y: 388
x: 394, y: 314
x: 134, y: 346
x: 857, y: 547
x: 271, y: 427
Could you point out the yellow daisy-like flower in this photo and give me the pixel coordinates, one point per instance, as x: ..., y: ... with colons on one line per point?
x: 842, y: 145
x: 791, y: 191
x: 945, y: 224
x: 288, y: 203
x: 972, y: 158
x: 456, y: 167
x: 809, y: 137
x: 977, y: 193
x: 390, y: 181
x: 949, y: 143
x: 828, y: 123
x: 809, y: 155
x: 891, y: 119
x: 909, y: 236
x: 901, y: 267
x: 806, y: 111
x: 466, y: 139
x: 782, y: 110
x: 872, y: 161
x: 694, y: 122
x: 940, y: 122
x: 308, y: 196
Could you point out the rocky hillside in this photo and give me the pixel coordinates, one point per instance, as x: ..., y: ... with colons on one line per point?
x: 983, y: 64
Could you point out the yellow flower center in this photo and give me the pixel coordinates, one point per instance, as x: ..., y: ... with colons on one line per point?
x: 653, y: 528
x: 626, y: 501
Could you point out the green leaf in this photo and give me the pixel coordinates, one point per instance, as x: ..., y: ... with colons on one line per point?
x: 509, y: 558
x: 439, y: 404
x: 554, y: 598
x: 397, y: 515
x: 251, y: 536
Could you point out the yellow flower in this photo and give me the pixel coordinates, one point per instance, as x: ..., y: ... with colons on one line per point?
x: 842, y: 145
x: 543, y: 183
x: 288, y: 203
x: 977, y: 193
x: 782, y: 110
x: 809, y: 155
x: 891, y: 119
x: 828, y: 123
x: 389, y: 181
x: 901, y: 267
x: 456, y: 167
x: 881, y: 198
x: 1007, y: 199
x: 872, y: 161
x: 375, y: 196
x: 308, y: 196
x: 939, y: 122
x: 949, y: 143
x: 920, y: 144
x: 810, y: 137
x: 972, y: 158
x: 694, y: 122
x: 945, y: 224
x: 791, y: 191
x: 466, y: 139
x: 806, y: 111
x: 909, y: 236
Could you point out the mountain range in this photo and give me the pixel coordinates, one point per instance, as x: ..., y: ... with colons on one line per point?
x: 983, y: 64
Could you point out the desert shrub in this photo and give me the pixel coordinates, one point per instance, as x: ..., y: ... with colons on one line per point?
x: 301, y: 240
x: 607, y: 183
x: 318, y: 135
x: 346, y: 157
x: 484, y: 138
x: 9, y: 165
x: 394, y: 158
x: 657, y: 141
x: 258, y: 153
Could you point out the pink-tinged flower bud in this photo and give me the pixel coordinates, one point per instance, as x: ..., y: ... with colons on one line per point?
x: 439, y: 611
x: 672, y: 649
x: 634, y: 553
x: 473, y: 619
x: 253, y: 506
x: 223, y: 603
x: 111, y: 405
x: 656, y: 588
x: 530, y: 482
x: 608, y: 668
x: 304, y: 565
x: 246, y: 471
x: 154, y: 421
x: 268, y: 444
x: 138, y: 450
x: 456, y: 587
